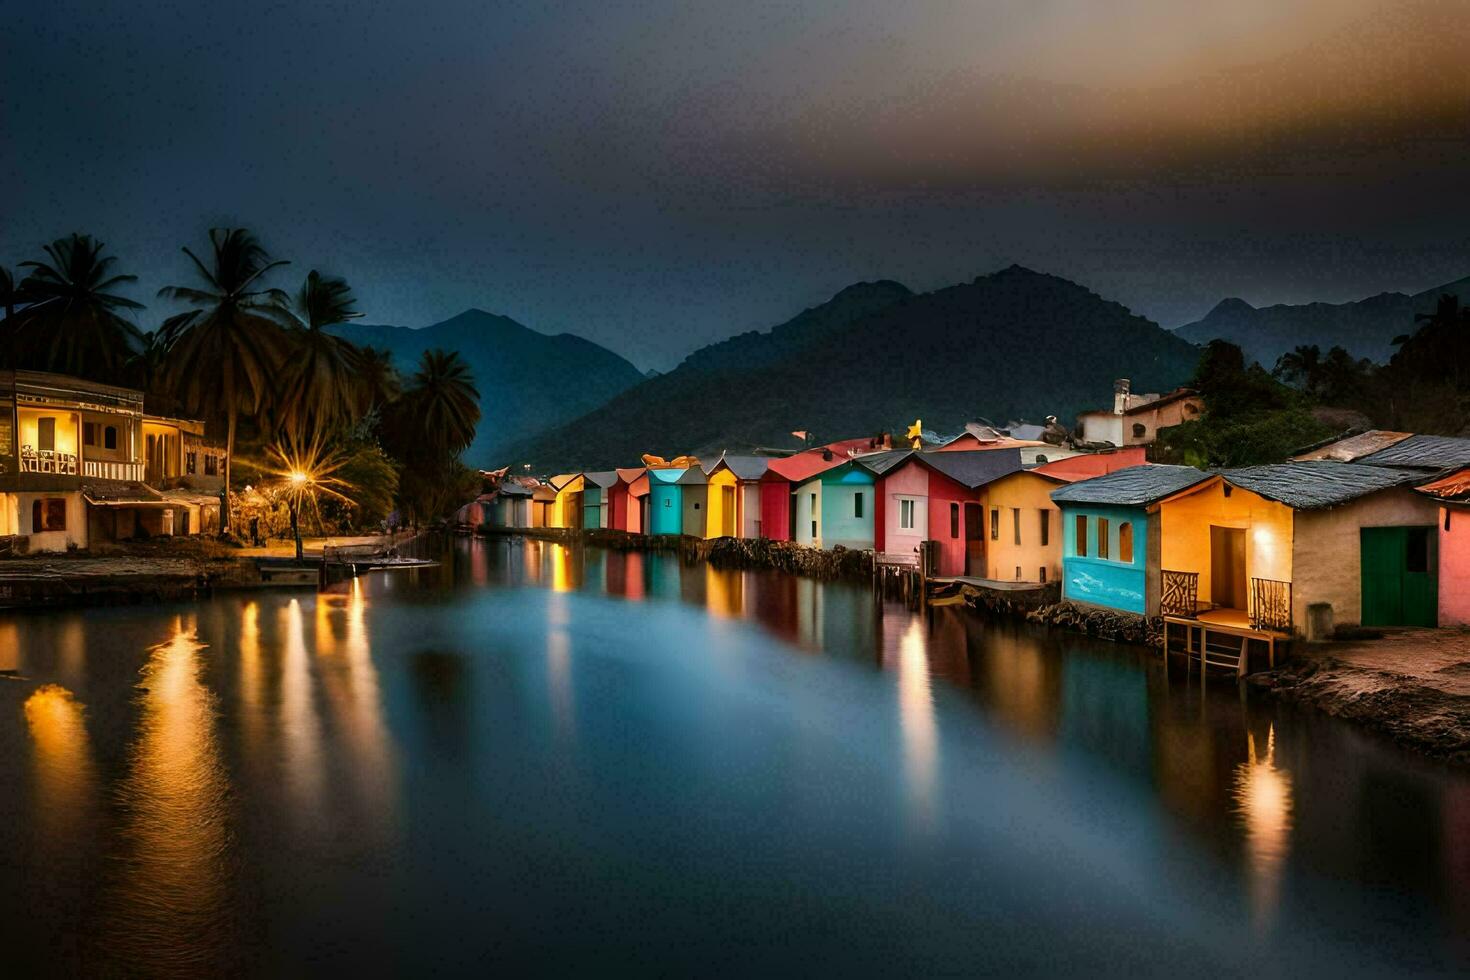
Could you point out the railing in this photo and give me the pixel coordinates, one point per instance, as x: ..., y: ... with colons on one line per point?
x: 104, y: 469
x: 47, y: 461
x: 1270, y: 604
x: 1179, y: 593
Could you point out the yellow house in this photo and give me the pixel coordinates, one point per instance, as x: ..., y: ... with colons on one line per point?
x: 734, y: 508
x: 1023, y: 528
x: 566, y: 510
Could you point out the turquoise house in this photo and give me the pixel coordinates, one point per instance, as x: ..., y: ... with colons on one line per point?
x: 835, y: 507
x: 595, y: 498
x: 1110, y: 535
x: 665, y: 502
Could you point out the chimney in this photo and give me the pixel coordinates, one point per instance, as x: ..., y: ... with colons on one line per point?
x: 1120, y: 396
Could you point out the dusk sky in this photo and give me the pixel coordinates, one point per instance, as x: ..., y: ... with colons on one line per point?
x: 657, y: 175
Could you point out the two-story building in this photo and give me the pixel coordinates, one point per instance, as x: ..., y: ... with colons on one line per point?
x: 187, y: 468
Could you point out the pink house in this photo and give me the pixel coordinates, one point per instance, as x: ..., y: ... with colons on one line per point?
x: 1453, y: 494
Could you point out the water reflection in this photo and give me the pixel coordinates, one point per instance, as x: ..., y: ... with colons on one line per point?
x: 300, y: 724
x: 559, y: 665
x: 916, y: 714
x: 173, y: 891
x: 1263, y: 800
x: 62, y: 762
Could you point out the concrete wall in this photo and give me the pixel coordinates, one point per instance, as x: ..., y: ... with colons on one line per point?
x: 1101, y: 427
x: 840, y: 523
x: 1454, y: 565
x: 809, y: 513
x: 1185, y: 534
x: 1327, y: 551
x: 76, y: 522
x: 1154, y: 419
x: 1106, y: 582
x: 1030, y: 495
x: 909, y: 481
x: 696, y: 504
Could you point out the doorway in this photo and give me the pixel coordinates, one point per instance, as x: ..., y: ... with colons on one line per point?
x: 1227, y: 567
x: 974, y: 540
x: 1400, y: 579
x: 727, y: 511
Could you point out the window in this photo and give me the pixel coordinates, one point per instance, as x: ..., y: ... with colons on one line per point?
x: 48, y: 514
x: 211, y: 464
x: 906, y: 515
x: 1125, y: 542
x: 109, y: 437
x: 995, y: 523
x: 1079, y: 545
x: 954, y: 520
x: 1016, y: 527
x: 89, y: 433
x: 1417, y: 559
x: 1018, y: 573
x: 190, y: 461
x: 814, y: 530
x: 1139, y: 430
x: 696, y: 505
x: 1043, y: 574
x: 1045, y: 528
x: 46, y: 434
x: 857, y: 504
x: 1102, y: 538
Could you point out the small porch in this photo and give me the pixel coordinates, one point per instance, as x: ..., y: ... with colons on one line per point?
x: 1224, y: 636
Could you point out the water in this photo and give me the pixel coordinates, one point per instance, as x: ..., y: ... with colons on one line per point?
x: 555, y: 759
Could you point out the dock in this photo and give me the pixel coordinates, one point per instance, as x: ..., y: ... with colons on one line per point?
x: 1220, y: 639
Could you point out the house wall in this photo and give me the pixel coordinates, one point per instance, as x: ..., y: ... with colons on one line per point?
x: 750, y: 509
x: 1454, y: 565
x: 75, y: 533
x: 840, y: 523
x: 1084, y: 466
x: 775, y: 509
x: 909, y: 481
x: 1108, y: 583
x: 1101, y: 427
x: 943, y: 494
x: 637, y: 498
x: 125, y: 451
x: 68, y: 426
x: 1029, y: 496
x: 9, y: 515
x: 592, y: 509
x: 666, y: 507
x: 565, y: 511
x: 1327, y: 551
x: 715, y: 518
x: 1184, y: 529
x: 696, y: 500
x: 808, y: 505
x: 1154, y: 419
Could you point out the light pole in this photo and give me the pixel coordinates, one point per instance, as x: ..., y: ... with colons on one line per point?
x: 299, y: 483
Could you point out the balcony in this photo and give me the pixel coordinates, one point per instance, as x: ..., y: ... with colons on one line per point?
x: 47, y: 461
x: 103, y: 469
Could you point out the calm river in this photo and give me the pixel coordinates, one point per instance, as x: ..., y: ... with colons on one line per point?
x: 558, y: 759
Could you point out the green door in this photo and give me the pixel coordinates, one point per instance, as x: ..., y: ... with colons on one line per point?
x: 1400, y: 581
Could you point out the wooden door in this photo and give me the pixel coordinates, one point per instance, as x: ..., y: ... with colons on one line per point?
x: 1400, y: 582
x: 727, y: 511
x: 1227, y: 567
x: 975, y: 540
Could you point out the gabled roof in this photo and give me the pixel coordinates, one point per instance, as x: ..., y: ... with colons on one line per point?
x: 629, y: 474
x: 561, y: 480
x: 803, y: 466
x: 1136, y: 486
x: 1455, y: 486
x: 1316, y: 483
x: 1347, y: 449
x: 1176, y: 395
x: 511, y: 489
x: 664, y: 475
x: 602, y: 478
x: 744, y: 467
x: 880, y: 463
x: 976, y: 467
x: 1423, y: 453
x: 693, y: 475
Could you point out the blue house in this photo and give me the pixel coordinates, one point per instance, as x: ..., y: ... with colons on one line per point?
x: 595, y: 498
x: 665, y: 502
x: 1110, y: 535
x: 835, y: 507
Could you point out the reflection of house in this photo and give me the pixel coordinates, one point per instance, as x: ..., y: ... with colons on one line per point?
x: 1110, y: 535
x: 735, y: 496
x: 1452, y: 495
x: 1297, y: 547
x: 1135, y: 420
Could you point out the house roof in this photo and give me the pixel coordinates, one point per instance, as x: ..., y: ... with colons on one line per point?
x: 880, y: 463
x: 1346, y: 449
x: 629, y: 474
x: 693, y: 474
x: 1177, y: 394
x: 509, y: 489
x: 664, y: 475
x: 1455, y: 486
x: 1423, y: 453
x: 602, y: 478
x: 976, y: 467
x: 1316, y: 483
x: 744, y: 467
x: 1136, y: 486
x: 561, y: 480
x: 117, y: 494
x: 805, y: 465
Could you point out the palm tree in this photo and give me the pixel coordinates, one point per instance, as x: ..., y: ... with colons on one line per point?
x: 9, y: 295
x: 70, y: 322
x: 322, y: 388
x: 378, y: 375
x: 444, y: 402
x: 223, y: 353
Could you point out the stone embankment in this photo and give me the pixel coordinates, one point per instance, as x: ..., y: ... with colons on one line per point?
x: 1103, y: 623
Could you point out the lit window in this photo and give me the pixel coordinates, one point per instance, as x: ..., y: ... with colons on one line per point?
x: 1125, y: 542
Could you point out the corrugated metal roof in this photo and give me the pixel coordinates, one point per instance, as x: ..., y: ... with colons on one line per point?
x: 1424, y: 453
x: 1456, y: 486
x: 974, y: 468
x: 1350, y: 448
x: 1136, y: 486
x: 602, y: 478
x: 744, y: 467
x: 1316, y: 483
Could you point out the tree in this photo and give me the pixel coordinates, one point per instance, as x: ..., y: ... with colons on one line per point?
x: 223, y: 353
x: 1300, y: 367
x: 443, y: 398
x: 70, y: 322
x: 322, y: 387
x: 378, y: 376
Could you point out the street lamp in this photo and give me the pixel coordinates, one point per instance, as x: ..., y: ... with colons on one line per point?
x: 300, y: 480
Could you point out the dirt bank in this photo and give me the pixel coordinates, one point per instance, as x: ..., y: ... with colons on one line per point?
x: 1412, y: 685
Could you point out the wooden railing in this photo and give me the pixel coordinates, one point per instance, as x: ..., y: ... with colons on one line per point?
x: 47, y: 461
x: 105, y: 469
x: 1270, y: 604
x: 1178, y: 593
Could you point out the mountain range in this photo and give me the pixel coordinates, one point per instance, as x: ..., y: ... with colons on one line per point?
x: 528, y: 381
x: 1365, y: 328
x: 1014, y: 344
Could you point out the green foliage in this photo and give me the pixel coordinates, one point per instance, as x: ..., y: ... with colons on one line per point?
x: 69, y: 319
x: 372, y: 483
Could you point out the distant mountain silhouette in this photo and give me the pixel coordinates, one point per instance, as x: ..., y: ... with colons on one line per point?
x: 877, y: 356
x: 1365, y: 328
x: 529, y: 382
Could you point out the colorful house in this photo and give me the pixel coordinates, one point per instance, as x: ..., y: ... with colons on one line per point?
x: 543, y: 504
x: 782, y: 476
x: 510, y: 505
x: 626, y: 499
x: 1110, y: 535
x: 1452, y: 494
x: 735, y: 497
x: 1135, y: 419
x: 596, y: 511
x: 835, y: 508
x: 566, y: 509
x: 666, y: 500
x: 938, y: 497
